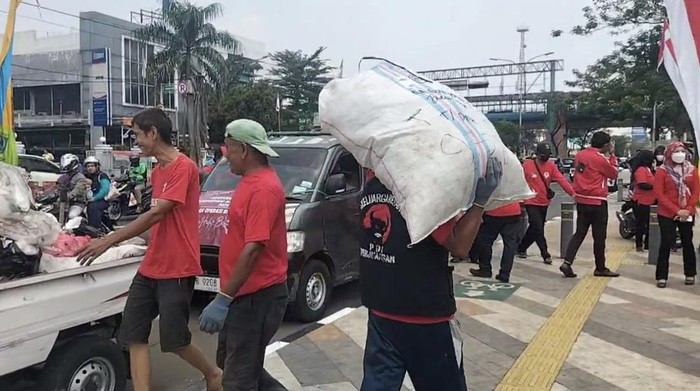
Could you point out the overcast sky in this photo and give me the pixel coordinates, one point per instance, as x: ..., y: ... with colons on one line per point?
x: 421, y: 35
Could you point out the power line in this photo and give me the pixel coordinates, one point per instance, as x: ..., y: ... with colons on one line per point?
x: 111, y: 37
x: 42, y: 8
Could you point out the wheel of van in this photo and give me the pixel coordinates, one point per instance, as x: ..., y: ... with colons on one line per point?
x: 114, y: 211
x: 85, y: 363
x: 314, y: 292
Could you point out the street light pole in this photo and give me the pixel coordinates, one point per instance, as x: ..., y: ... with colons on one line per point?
x: 522, y: 86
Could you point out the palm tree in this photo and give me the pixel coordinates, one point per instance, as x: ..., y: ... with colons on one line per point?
x: 191, y: 47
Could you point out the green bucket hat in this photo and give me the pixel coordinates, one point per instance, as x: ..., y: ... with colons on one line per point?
x: 252, y: 133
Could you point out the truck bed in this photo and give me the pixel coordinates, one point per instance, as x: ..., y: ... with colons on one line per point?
x: 35, y: 309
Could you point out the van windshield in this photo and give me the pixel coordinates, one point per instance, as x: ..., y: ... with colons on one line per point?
x: 298, y: 169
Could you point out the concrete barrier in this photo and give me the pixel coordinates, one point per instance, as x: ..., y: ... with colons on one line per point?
x: 567, y: 226
x: 654, y: 237
x: 620, y: 190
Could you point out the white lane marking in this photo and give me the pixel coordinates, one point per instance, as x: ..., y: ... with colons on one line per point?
x: 275, y: 346
x: 333, y: 317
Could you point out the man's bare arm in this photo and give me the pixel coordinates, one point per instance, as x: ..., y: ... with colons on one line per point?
x: 460, y: 241
x: 143, y: 223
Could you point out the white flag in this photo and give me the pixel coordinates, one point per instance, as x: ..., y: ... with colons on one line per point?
x: 277, y: 106
x: 681, y: 54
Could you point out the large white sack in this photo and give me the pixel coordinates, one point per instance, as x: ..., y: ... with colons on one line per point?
x: 426, y: 143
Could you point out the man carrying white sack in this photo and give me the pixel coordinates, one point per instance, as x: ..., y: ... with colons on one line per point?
x: 409, y: 292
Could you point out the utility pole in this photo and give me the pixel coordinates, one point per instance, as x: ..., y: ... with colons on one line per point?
x: 523, y: 84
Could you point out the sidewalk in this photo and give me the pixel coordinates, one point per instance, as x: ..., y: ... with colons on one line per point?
x: 525, y: 335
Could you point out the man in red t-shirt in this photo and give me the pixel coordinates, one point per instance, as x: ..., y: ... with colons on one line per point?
x: 165, y: 281
x: 252, y: 263
x: 540, y: 172
x: 594, y: 167
x: 507, y: 221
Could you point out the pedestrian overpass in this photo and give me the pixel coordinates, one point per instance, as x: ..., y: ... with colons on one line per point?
x: 534, y: 103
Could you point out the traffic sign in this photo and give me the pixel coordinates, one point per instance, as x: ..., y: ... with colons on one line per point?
x: 485, y: 290
x: 169, y: 88
x: 182, y: 88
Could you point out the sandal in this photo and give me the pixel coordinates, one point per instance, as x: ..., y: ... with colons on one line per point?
x: 661, y: 284
x: 690, y: 281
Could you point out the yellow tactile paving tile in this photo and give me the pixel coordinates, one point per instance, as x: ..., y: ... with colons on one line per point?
x: 539, y: 364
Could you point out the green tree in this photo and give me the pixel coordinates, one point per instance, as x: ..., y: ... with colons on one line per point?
x: 300, y: 77
x: 622, y: 87
x: 622, y: 145
x: 191, y: 47
x: 254, y: 101
x: 191, y: 44
x: 513, y: 138
x: 240, y: 70
x: 509, y: 134
x: 619, y: 16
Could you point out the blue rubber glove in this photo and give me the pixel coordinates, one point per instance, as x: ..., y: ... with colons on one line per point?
x: 486, y: 185
x: 214, y: 315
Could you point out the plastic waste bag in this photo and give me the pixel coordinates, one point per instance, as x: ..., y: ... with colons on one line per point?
x: 52, y: 264
x: 31, y: 231
x: 425, y: 142
x: 67, y: 245
x: 15, y: 194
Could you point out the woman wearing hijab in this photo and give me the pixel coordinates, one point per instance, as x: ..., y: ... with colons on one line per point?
x: 677, y: 191
x: 659, y: 153
x: 643, y: 195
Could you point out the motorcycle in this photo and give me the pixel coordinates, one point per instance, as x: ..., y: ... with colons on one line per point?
x: 47, y: 202
x: 124, y: 203
x: 628, y: 223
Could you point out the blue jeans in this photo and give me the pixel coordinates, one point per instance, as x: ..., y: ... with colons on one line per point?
x: 425, y: 351
x: 95, y: 210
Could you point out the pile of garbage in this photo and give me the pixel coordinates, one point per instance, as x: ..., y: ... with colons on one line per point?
x: 30, y: 229
x: 33, y: 242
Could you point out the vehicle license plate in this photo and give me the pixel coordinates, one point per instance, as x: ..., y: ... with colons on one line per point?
x: 207, y: 284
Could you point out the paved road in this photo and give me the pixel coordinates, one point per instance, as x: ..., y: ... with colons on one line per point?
x: 169, y: 373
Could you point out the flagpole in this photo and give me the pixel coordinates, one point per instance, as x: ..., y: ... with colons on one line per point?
x: 278, y: 107
x: 653, y: 126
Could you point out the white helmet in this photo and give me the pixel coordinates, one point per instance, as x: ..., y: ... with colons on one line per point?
x: 69, y: 163
x: 91, y: 159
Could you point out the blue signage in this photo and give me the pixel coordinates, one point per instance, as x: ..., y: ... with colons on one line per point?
x: 100, y: 112
x: 99, y: 56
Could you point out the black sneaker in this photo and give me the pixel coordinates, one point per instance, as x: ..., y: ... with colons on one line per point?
x: 480, y: 273
x: 521, y: 255
x: 640, y: 249
x: 456, y: 260
x: 606, y: 273
x: 548, y: 261
x: 502, y: 278
x: 567, y: 270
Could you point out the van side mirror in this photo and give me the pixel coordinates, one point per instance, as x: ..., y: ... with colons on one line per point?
x: 335, y: 184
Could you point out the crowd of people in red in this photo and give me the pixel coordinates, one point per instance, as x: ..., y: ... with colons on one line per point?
x: 665, y: 177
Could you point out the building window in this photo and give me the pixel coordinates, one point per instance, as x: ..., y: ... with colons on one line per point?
x: 21, y: 99
x: 139, y: 89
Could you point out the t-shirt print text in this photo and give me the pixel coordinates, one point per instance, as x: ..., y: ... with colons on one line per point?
x: 376, y: 252
x: 376, y: 221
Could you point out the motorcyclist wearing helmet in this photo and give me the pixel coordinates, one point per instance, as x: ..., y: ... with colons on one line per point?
x: 137, y: 176
x: 100, y: 188
x: 75, y: 183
